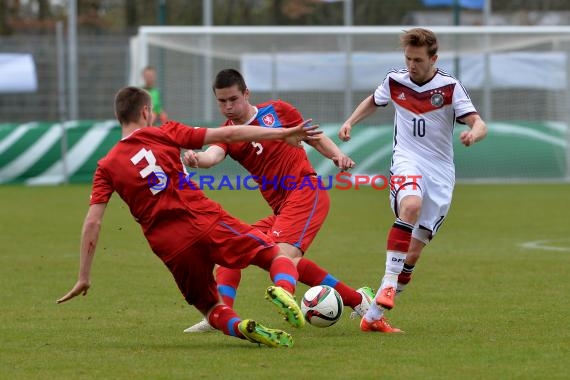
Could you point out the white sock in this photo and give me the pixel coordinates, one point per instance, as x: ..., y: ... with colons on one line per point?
x: 394, y: 265
x: 374, y: 313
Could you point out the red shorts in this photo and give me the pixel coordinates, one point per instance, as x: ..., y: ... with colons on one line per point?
x: 300, y: 217
x: 230, y: 243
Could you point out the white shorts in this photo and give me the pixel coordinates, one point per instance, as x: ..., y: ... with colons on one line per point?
x: 435, y: 190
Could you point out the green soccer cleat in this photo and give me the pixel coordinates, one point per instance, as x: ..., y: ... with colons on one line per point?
x: 256, y: 333
x: 286, y: 304
x: 368, y: 295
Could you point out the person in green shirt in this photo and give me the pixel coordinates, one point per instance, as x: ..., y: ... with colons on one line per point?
x: 149, y: 77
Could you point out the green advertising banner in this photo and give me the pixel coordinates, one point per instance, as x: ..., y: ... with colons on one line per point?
x: 40, y: 153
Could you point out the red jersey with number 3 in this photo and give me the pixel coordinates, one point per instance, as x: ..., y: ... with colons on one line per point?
x: 145, y: 169
x: 272, y: 161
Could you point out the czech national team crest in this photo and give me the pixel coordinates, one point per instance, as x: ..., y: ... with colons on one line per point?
x: 437, y: 100
x: 268, y: 119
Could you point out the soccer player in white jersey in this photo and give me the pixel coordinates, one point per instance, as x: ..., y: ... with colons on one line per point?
x: 428, y: 102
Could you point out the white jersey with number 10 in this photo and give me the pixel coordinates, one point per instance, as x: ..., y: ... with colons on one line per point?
x: 425, y: 117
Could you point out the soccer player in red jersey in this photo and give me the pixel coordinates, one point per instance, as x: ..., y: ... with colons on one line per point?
x: 189, y: 232
x: 286, y: 180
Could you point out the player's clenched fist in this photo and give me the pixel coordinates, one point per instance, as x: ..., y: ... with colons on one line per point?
x: 344, y: 132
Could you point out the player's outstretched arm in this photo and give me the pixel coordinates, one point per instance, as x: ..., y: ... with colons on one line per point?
x: 477, y: 132
x: 89, y: 238
x: 326, y: 147
x: 235, y: 133
x: 366, y: 108
x: 206, y: 159
x: 163, y: 117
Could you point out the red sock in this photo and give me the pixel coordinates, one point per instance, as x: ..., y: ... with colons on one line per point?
x: 228, y: 282
x: 283, y: 273
x: 224, y: 318
x: 350, y: 297
x: 406, y: 275
x: 399, y: 237
x: 311, y: 274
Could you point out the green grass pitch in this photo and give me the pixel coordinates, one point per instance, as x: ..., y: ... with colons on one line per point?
x: 481, y: 306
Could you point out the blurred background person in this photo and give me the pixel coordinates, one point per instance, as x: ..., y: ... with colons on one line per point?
x: 158, y: 113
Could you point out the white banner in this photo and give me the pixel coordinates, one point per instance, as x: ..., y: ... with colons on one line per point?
x: 17, y: 73
x: 328, y: 71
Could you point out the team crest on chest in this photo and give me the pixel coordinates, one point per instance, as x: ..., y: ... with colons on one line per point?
x: 268, y: 120
x: 437, y: 99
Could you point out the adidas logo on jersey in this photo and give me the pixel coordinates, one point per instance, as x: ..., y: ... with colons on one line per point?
x: 402, y: 96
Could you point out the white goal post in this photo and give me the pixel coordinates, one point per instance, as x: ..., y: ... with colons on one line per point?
x: 514, y: 74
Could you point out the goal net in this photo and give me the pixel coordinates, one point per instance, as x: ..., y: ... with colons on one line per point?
x: 517, y: 77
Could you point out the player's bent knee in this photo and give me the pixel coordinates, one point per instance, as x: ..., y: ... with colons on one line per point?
x: 410, y: 208
x: 290, y: 251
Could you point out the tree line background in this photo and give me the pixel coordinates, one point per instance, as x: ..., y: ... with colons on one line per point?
x: 124, y: 16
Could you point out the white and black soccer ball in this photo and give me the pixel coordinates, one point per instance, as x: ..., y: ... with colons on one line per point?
x: 322, y: 306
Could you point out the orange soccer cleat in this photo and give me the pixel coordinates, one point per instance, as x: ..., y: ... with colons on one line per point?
x: 380, y: 325
x: 386, y: 297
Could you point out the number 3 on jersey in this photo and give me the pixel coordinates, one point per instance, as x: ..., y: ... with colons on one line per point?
x: 152, y: 167
x: 419, y: 127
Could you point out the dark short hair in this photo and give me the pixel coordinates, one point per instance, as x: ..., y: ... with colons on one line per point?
x: 228, y: 78
x: 129, y: 102
x: 420, y: 37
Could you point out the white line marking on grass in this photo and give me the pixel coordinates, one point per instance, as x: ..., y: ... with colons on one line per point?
x: 543, y: 245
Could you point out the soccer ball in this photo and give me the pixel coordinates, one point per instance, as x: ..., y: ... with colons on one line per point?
x: 322, y: 306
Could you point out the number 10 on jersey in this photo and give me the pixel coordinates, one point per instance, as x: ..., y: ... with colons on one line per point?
x: 419, y: 127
